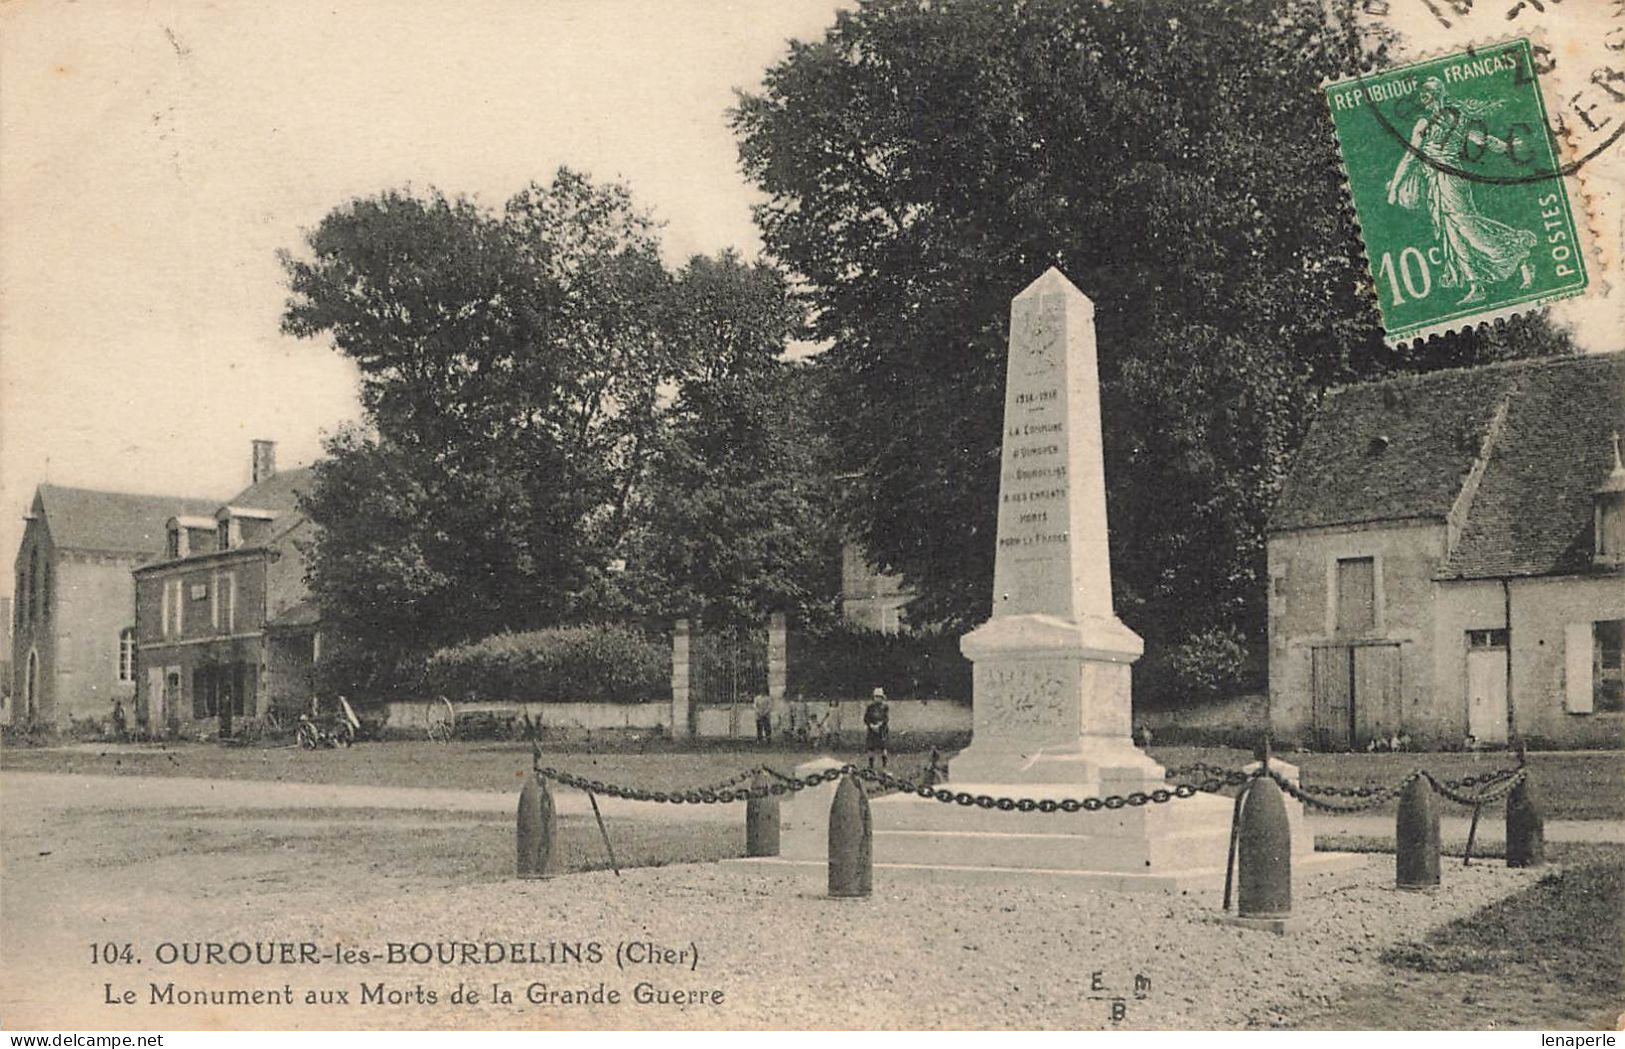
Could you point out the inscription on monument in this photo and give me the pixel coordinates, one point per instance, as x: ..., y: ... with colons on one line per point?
x: 1034, y: 520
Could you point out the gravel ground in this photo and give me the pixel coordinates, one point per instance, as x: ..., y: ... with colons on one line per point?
x: 783, y: 956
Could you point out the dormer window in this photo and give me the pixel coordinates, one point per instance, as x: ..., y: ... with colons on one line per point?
x: 1608, y: 524
x: 241, y: 526
x: 179, y: 539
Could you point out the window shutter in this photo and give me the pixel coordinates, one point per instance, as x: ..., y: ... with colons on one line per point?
x: 1577, y: 668
x: 165, y: 616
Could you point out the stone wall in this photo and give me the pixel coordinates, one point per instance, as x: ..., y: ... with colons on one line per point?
x: 92, y: 602
x: 845, y: 718
x: 1541, y: 611
x: 409, y: 715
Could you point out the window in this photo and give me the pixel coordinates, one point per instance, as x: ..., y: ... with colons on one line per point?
x: 33, y: 583
x: 126, y: 655
x: 1591, y: 667
x: 222, y: 612
x: 1607, y: 678
x: 22, y: 599
x: 173, y: 549
x: 174, y: 608
x: 203, y: 692
x: 1487, y: 638
x: 1356, y: 596
x: 218, y: 687
x: 223, y: 535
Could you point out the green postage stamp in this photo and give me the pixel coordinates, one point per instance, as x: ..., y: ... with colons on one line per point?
x: 1458, y: 188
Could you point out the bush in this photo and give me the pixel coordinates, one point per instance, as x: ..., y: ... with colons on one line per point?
x: 1210, y: 665
x: 844, y: 662
x: 610, y: 664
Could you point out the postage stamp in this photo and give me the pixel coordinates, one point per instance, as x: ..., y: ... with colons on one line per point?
x: 1458, y: 188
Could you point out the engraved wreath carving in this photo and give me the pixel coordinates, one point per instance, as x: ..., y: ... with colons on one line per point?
x: 1024, y: 696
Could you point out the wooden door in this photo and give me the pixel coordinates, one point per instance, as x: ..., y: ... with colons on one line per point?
x: 1376, y: 699
x: 149, y: 703
x: 1487, y: 694
x: 1332, y: 686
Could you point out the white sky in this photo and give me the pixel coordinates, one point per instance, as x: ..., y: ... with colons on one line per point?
x: 155, y: 155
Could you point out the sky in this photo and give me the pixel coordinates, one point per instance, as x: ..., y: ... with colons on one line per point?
x: 157, y: 155
x: 154, y: 157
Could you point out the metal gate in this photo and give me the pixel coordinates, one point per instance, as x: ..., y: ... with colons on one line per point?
x: 728, y: 668
x: 1356, y: 694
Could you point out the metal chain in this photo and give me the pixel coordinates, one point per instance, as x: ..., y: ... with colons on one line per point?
x: 1005, y: 804
x: 1216, y: 778
x: 790, y: 784
x: 693, y: 796
x: 1493, y: 792
x: 1496, y: 785
x: 1377, y: 797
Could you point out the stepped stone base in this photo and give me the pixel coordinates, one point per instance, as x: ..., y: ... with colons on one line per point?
x: 1176, y: 846
x: 1188, y: 882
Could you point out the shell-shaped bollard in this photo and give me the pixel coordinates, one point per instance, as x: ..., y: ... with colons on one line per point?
x: 1526, y: 830
x: 851, y: 842
x: 762, y: 820
x: 1264, y: 854
x: 1416, y: 838
x: 538, y: 830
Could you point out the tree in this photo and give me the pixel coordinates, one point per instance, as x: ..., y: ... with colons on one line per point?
x: 547, y: 404
x: 736, y: 510
x: 511, y: 367
x: 924, y: 161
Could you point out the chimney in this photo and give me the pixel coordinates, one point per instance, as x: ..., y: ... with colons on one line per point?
x: 264, y: 461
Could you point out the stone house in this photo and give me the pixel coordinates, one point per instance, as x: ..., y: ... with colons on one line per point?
x: 871, y: 598
x: 225, y: 624
x: 7, y: 708
x: 73, y: 625
x: 1445, y: 561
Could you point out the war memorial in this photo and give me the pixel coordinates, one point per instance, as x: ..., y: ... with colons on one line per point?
x: 1052, y: 665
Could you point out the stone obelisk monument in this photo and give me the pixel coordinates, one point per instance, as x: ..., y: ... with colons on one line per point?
x: 1051, y: 711
x: 1052, y: 665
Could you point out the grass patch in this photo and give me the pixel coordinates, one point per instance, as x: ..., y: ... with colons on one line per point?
x: 1587, y: 785
x: 1548, y: 957
x: 466, y: 766
x: 1570, y: 785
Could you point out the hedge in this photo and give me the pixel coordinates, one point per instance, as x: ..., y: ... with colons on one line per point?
x: 844, y: 662
x: 606, y: 664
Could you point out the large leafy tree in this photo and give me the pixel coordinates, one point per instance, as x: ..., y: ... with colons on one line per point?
x: 547, y: 404
x: 925, y: 160
x: 510, y: 367
x: 736, y: 511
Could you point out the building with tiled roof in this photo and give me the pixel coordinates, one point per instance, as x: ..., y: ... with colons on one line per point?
x: 225, y: 623
x: 73, y: 614
x: 1445, y: 560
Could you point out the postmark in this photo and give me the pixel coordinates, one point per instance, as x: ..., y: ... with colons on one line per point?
x: 1458, y: 187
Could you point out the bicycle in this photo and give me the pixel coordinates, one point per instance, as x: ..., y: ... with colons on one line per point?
x: 442, y: 720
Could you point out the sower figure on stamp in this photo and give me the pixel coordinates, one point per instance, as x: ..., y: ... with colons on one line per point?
x: 877, y: 726
x: 1476, y: 249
